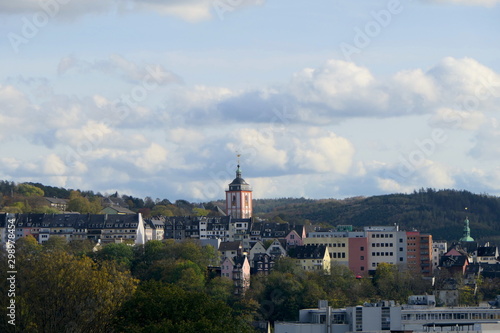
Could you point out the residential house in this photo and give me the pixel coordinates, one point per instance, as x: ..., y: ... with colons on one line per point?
x: 97, y: 227
x: 455, y: 261
x: 154, y: 228
x: 312, y: 257
x: 294, y: 237
x: 119, y: 228
x: 237, y: 269
x: 439, y: 248
x: 262, y: 263
x: 277, y: 249
x: 255, y: 248
x: 487, y: 255
x: 230, y: 249
x: 57, y: 203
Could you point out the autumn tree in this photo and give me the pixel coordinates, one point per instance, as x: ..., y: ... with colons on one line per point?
x: 83, y: 205
x: 58, y: 292
x: 28, y: 190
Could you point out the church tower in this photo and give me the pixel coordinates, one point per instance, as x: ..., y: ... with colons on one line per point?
x: 239, y: 197
x: 466, y: 235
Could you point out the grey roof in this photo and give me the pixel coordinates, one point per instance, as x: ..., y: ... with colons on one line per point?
x: 120, y: 209
x: 230, y: 246
x: 77, y: 221
x: 453, y: 261
x: 486, y: 251
x: 57, y: 200
x: 310, y: 251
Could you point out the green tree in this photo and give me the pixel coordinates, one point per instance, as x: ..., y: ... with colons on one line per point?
x: 80, y: 247
x: 45, y: 210
x: 159, y: 307
x: 161, y: 210
x: 29, y: 190
x: 287, y: 265
x: 120, y: 253
x: 58, y: 292
x: 220, y: 288
x: 56, y: 243
x: 281, y: 298
x: 27, y: 247
x: 80, y: 205
x: 200, y: 211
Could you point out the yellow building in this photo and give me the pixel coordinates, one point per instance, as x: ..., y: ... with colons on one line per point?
x: 338, y: 247
x: 312, y: 257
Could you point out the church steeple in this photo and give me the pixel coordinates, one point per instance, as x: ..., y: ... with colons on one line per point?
x: 239, y: 196
x: 466, y: 235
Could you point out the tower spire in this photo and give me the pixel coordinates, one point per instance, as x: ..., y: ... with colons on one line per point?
x: 238, y: 170
x: 466, y: 235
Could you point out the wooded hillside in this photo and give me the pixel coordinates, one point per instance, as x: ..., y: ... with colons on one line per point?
x: 438, y: 212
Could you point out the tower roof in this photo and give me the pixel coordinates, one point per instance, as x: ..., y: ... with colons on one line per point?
x: 466, y: 235
x: 238, y: 180
x: 239, y: 183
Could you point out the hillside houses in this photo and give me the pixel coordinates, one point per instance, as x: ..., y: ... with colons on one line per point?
x: 238, y: 234
x: 104, y: 228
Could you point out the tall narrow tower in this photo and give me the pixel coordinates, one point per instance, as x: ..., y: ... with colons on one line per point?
x: 239, y: 197
x: 466, y: 235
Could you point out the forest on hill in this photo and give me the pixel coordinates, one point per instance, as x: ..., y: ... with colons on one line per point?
x: 438, y: 212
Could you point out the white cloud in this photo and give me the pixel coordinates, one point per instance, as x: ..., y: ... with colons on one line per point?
x: 262, y: 145
x: 436, y: 175
x: 189, y: 10
x: 467, y: 84
x: 284, y: 132
x: 53, y: 165
x: 392, y: 186
x: 450, y: 118
x: 415, y: 84
x: 486, y: 141
x: 152, y: 159
x: 339, y: 86
x: 147, y: 75
x: 324, y: 153
x: 341, y: 90
x: 405, y: 178
x: 486, y: 3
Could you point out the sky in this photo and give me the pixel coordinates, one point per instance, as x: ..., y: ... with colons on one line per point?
x: 321, y: 99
